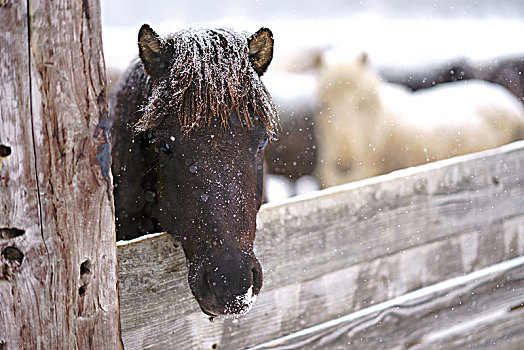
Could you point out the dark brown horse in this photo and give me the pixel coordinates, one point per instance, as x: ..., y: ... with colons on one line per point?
x: 505, y: 71
x: 190, y: 120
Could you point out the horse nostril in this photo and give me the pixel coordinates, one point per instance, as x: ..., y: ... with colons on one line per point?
x: 257, y: 279
x: 206, y: 286
x: 209, y: 283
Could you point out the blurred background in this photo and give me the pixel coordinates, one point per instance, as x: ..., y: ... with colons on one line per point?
x: 392, y: 32
x: 412, y: 43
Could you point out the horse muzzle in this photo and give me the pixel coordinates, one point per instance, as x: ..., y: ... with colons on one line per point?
x: 226, y: 284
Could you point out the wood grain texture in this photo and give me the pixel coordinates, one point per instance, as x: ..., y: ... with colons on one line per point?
x: 337, y: 252
x: 58, y: 286
x: 482, y: 310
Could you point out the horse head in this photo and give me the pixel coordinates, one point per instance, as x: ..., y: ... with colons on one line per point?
x: 210, y: 118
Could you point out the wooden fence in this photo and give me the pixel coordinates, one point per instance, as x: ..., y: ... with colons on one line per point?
x: 58, y: 264
x: 424, y: 256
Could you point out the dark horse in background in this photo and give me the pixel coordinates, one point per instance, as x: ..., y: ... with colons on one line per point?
x: 506, y: 71
x: 190, y: 120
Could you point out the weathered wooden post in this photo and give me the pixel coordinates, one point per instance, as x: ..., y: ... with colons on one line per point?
x: 58, y: 284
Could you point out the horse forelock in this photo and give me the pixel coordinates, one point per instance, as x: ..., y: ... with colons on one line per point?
x: 210, y: 76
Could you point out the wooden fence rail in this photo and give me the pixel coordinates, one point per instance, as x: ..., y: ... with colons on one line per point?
x: 359, y: 264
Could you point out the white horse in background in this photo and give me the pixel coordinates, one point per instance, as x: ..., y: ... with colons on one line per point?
x: 368, y: 127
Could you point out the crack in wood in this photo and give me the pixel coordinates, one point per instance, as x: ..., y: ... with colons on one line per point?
x: 4, y: 152
x: 103, y: 158
x: 516, y: 307
x: 85, y: 279
x: 85, y: 7
x: 4, y: 274
x: 13, y: 254
x: 32, y: 128
x: 85, y: 268
x: 9, y: 232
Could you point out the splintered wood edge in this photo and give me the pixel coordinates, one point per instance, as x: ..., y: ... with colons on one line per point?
x: 141, y: 239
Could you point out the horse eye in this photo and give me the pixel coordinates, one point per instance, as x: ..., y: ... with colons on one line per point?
x: 164, y: 146
x: 263, y: 143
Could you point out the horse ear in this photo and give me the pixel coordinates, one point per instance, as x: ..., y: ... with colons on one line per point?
x: 261, y: 49
x: 152, y: 51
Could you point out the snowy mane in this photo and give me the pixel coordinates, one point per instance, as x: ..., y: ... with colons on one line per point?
x: 209, y: 74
